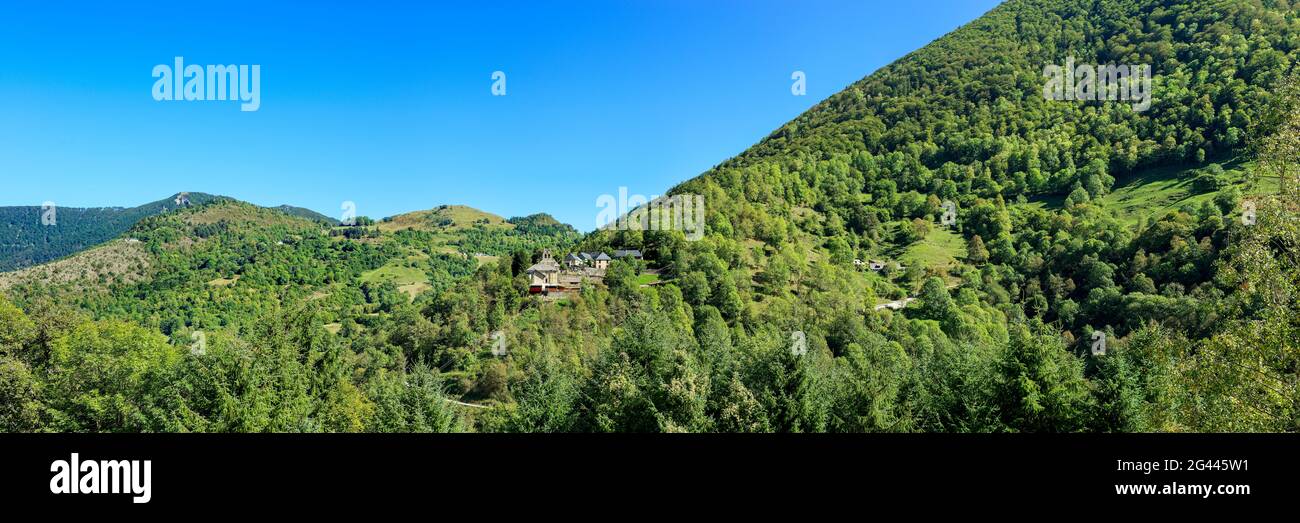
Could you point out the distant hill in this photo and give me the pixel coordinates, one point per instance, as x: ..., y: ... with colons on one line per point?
x: 303, y: 212
x: 463, y: 229
x: 541, y: 223
x: 232, y: 248
x: 462, y: 232
x: 236, y: 232
x: 444, y: 218
x: 26, y: 240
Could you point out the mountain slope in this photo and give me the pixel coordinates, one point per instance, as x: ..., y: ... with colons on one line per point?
x: 27, y: 240
x: 964, y: 117
x: 865, y: 175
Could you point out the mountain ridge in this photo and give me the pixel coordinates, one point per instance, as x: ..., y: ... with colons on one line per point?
x: 36, y: 234
x: 77, y: 229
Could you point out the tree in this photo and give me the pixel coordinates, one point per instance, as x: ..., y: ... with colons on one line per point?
x: 737, y: 410
x: 107, y: 377
x: 934, y: 302
x: 620, y: 277
x: 411, y: 401
x: 1078, y: 196
x: 1278, y: 135
x: 727, y: 299
x: 975, y: 251
x: 1040, y: 386
x: 544, y: 401
x: 16, y: 329
x: 20, y: 404
x: 1244, y: 376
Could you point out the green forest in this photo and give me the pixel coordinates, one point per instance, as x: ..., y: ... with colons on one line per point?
x: 1168, y: 236
x: 34, y: 235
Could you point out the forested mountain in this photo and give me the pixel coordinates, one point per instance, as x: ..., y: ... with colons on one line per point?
x: 30, y: 235
x: 35, y: 234
x: 1167, y: 238
x: 1074, y: 221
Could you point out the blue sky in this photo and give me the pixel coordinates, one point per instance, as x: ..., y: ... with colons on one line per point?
x: 389, y: 105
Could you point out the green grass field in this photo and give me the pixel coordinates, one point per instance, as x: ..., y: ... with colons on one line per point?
x: 1152, y: 193
x: 647, y: 279
x: 941, y: 248
x: 410, y: 280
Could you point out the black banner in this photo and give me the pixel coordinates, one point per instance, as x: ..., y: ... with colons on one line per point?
x: 316, y: 472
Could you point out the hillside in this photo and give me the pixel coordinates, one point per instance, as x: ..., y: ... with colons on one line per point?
x: 1072, y: 218
x: 466, y: 230
x: 230, y: 244
x: 27, y: 240
x: 964, y: 117
x: 156, y: 241
x: 117, y: 261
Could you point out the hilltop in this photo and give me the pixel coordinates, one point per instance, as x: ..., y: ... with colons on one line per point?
x: 444, y: 218
x: 303, y: 212
x: 462, y: 231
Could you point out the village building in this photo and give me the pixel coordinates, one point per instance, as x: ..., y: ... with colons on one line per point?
x: 544, y: 275
x: 599, y: 260
x: 875, y: 265
x: 548, y: 276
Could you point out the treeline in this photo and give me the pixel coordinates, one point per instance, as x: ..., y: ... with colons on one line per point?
x: 62, y: 372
